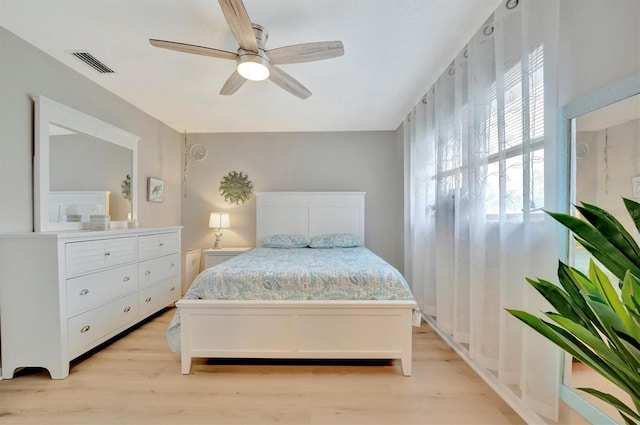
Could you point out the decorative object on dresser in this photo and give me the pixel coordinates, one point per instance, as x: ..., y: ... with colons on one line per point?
x: 72, y: 206
x: 100, y: 221
x: 125, y: 186
x: 155, y: 189
x: 85, y: 288
x: 219, y: 221
x: 213, y: 257
x: 236, y: 188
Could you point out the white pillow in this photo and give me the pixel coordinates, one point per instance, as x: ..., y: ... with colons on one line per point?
x: 286, y: 241
x: 335, y: 240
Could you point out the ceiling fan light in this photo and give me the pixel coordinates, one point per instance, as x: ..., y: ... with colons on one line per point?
x: 253, y: 68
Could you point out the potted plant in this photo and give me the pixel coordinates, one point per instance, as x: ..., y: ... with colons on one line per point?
x: 125, y: 186
x: 593, y: 321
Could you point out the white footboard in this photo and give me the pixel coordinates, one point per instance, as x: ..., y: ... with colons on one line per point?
x: 296, y: 329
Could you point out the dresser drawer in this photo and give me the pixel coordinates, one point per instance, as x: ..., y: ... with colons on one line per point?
x: 159, y: 295
x: 152, y: 271
x: 150, y: 246
x: 88, y: 256
x: 87, y: 328
x: 90, y: 290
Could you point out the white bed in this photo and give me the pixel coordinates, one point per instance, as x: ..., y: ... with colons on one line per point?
x: 318, y: 329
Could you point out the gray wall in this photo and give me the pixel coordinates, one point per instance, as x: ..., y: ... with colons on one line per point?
x: 341, y: 161
x: 599, y: 45
x: 27, y: 72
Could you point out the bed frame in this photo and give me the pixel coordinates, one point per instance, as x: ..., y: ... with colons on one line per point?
x: 339, y: 329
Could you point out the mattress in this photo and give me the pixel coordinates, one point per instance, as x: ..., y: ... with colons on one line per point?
x: 297, y: 274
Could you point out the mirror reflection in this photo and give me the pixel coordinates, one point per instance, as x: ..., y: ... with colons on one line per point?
x: 607, y: 168
x: 87, y: 176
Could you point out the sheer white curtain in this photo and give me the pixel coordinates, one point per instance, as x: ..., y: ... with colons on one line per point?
x: 482, y: 149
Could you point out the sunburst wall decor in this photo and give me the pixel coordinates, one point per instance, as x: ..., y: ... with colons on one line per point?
x: 236, y: 188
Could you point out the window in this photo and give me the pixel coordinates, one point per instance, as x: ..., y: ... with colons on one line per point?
x: 517, y: 154
x: 520, y: 155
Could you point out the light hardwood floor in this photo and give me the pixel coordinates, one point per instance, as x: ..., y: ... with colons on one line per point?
x: 137, y: 380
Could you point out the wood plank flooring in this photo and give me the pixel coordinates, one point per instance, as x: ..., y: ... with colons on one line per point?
x: 136, y: 380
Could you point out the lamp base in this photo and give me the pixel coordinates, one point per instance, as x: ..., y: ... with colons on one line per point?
x: 218, y: 243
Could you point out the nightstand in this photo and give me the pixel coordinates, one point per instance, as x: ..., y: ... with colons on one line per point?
x: 217, y: 256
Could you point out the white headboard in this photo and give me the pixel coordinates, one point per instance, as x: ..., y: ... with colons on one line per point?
x: 309, y: 213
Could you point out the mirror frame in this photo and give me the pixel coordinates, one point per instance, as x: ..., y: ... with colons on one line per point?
x: 566, y: 142
x: 49, y: 111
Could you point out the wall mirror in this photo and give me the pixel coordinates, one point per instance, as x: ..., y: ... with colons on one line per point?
x: 82, y: 166
x: 603, y: 132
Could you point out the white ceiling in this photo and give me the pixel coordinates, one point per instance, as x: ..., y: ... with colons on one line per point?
x: 394, y: 50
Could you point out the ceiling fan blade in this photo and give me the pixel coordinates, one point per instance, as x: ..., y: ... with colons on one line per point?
x: 233, y: 83
x: 306, y: 52
x: 239, y: 23
x: 190, y: 48
x: 288, y: 83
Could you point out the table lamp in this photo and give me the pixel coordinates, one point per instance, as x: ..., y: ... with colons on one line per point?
x: 218, y: 221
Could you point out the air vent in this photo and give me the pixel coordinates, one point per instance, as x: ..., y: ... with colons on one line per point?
x: 92, y: 62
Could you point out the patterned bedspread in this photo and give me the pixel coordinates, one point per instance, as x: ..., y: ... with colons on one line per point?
x: 297, y: 274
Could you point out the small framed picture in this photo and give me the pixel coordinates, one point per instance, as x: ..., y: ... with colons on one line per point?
x: 635, y: 186
x: 155, y: 190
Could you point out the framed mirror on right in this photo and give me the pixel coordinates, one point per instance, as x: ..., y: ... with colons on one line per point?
x: 603, y: 140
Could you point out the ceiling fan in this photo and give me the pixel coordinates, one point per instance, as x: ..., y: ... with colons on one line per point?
x: 254, y: 61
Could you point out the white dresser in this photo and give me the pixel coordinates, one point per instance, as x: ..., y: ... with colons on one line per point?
x: 64, y: 293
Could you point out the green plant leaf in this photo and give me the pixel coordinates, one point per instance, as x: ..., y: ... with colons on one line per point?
x: 581, y: 280
x: 612, y: 229
x: 592, y: 360
x: 633, y: 208
x: 627, y: 420
x: 571, y: 345
x: 630, y: 296
x: 607, y: 317
x: 575, y: 283
x: 630, y: 293
x: 602, y: 282
x: 635, y: 326
x: 613, y: 401
x: 599, y: 348
x: 633, y: 350
x: 558, y: 299
x: 611, y: 259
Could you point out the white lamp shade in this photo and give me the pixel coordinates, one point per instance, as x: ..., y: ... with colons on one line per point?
x: 219, y: 220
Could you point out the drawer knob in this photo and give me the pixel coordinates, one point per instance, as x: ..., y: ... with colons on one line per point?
x: 84, y: 292
x: 108, y: 253
x: 126, y: 279
x: 85, y: 329
x: 161, y: 244
x: 148, y: 299
x: 148, y: 272
x: 172, y: 265
x: 173, y: 288
x: 127, y: 309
